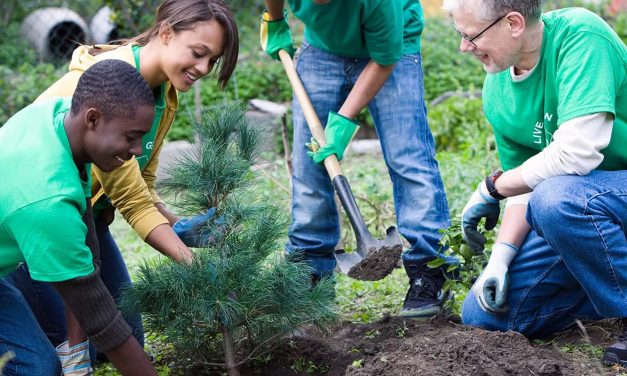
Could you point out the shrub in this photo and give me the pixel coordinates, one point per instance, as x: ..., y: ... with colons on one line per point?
x: 21, y: 86
x: 240, y: 294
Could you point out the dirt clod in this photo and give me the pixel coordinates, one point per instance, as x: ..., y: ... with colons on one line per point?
x: 379, y: 263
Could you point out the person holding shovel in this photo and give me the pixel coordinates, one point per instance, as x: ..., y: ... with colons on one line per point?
x: 556, y: 97
x: 46, y: 219
x: 358, y: 54
x: 189, y: 39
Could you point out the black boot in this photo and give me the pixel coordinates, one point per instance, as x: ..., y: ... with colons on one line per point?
x: 617, y: 353
x: 425, y: 297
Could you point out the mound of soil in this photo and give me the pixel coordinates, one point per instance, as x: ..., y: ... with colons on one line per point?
x: 397, y: 346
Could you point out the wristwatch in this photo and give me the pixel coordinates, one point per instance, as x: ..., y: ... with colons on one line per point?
x: 489, y: 183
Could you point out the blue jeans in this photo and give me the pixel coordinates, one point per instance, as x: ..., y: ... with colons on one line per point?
x: 47, y: 305
x: 21, y: 335
x: 400, y: 119
x: 573, y: 264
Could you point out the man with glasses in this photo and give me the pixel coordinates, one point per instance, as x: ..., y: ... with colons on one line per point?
x: 556, y: 97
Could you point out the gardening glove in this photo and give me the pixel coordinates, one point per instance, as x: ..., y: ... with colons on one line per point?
x: 338, y: 133
x: 192, y: 230
x: 491, y: 287
x: 275, y: 35
x: 480, y: 205
x: 75, y: 360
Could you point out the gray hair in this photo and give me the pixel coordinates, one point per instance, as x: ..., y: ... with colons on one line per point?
x: 490, y: 10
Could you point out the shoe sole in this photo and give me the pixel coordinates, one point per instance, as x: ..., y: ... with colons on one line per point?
x: 425, y: 314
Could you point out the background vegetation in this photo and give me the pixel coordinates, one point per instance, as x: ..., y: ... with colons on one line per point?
x: 464, y: 140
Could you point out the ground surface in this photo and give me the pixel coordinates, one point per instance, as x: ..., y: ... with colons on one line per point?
x: 395, y: 346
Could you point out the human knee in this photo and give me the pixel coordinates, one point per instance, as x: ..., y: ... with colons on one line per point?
x: 553, y: 200
x: 473, y: 315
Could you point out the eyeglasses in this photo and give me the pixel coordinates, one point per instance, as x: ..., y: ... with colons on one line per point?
x: 471, y: 40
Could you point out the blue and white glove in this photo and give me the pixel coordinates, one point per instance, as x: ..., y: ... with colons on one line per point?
x: 480, y: 205
x: 75, y: 360
x: 193, y: 230
x: 490, y: 289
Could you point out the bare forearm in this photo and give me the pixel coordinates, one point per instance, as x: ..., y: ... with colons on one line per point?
x: 171, y: 217
x: 511, y: 183
x: 275, y: 8
x: 370, y: 81
x: 164, y: 240
x: 129, y: 359
x: 75, y: 333
x: 514, y: 227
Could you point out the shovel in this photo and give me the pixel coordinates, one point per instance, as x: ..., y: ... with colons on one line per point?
x: 374, y: 259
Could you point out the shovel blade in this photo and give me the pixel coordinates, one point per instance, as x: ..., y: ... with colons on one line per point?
x: 374, y: 259
x: 347, y: 260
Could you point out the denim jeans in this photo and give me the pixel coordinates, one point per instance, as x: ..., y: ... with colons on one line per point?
x: 400, y: 119
x: 20, y: 334
x: 573, y: 264
x: 47, y: 305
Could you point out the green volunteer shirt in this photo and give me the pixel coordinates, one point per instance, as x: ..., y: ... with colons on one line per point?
x: 382, y: 30
x: 42, y: 198
x: 148, y: 139
x: 582, y: 70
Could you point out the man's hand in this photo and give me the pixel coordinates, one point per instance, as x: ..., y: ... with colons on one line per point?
x: 338, y: 133
x: 192, y: 230
x: 75, y: 360
x: 491, y: 287
x: 275, y: 35
x: 480, y: 205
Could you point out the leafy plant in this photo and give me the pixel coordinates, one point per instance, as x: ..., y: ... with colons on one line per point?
x: 302, y: 364
x: 240, y: 294
x: 21, y: 86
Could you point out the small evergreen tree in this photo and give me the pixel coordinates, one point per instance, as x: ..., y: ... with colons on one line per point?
x: 241, y: 293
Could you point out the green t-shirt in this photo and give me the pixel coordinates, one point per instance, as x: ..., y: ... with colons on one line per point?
x: 42, y: 198
x: 582, y: 70
x: 383, y: 30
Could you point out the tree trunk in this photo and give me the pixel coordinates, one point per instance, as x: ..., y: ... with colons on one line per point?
x: 229, y: 356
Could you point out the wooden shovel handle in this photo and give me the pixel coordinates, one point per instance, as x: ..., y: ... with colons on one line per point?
x: 330, y: 163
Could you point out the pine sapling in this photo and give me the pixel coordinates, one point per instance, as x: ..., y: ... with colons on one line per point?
x: 241, y: 293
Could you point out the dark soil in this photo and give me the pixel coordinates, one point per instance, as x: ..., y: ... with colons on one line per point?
x: 440, y: 347
x: 379, y: 263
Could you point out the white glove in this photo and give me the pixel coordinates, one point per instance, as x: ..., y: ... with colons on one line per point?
x: 491, y: 287
x: 75, y: 360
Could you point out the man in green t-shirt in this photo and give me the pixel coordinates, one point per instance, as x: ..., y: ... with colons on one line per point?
x: 556, y: 97
x: 47, y: 150
x: 356, y: 54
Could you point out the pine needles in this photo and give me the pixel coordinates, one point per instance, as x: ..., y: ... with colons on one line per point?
x: 241, y: 292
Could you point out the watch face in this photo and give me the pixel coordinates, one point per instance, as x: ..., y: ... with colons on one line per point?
x: 496, y: 174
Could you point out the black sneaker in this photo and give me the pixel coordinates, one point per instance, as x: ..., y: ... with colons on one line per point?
x: 617, y: 353
x: 425, y: 297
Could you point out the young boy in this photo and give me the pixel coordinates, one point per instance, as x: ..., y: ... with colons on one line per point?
x: 47, y: 149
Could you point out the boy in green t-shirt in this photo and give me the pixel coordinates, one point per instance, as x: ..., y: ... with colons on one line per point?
x: 556, y: 97
x: 47, y: 150
x: 356, y: 54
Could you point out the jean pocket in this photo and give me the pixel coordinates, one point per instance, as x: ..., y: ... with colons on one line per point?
x: 303, y: 48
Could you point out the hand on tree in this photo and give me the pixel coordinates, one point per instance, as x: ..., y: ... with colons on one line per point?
x: 480, y: 205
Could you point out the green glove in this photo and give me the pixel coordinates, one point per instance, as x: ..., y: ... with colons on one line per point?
x: 338, y: 133
x: 275, y: 35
